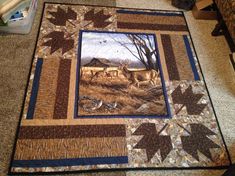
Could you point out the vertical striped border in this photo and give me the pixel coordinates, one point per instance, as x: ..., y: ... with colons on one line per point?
x: 191, y: 59
x: 35, y: 87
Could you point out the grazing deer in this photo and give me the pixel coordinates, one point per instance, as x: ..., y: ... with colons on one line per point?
x: 99, y: 73
x: 111, y: 73
x: 136, y: 77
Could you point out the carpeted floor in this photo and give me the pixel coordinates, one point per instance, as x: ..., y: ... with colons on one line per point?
x: 212, y: 52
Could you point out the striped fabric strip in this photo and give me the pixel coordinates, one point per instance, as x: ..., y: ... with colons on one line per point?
x: 47, y: 89
x: 70, y: 162
x: 62, y: 92
x: 163, y: 21
x: 28, y: 149
x: 191, y: 59
x: 170, y: 58
x: 154, y: 19
x: 34, y: 92
x: 182, y: 59
x: 148, y: 26
x: 163, y: 13
x: 73, y: 131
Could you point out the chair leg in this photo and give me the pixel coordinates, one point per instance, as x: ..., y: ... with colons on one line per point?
x: 230, y: 171
x: 218, y: 30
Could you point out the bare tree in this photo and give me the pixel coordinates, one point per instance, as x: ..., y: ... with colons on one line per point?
x: 145, y: 51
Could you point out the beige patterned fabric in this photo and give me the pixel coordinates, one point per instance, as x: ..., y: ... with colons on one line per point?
x: 227, y: 9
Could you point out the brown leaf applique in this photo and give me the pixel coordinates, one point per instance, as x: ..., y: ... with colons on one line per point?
x: 99, y: 18
x: 198, y: 141
x: 60, y: 17
x: 189, y: 100
x: 58, y: 41
x: 152, y: 141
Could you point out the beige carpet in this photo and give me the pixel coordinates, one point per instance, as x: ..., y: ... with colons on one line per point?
x: 16, y: 54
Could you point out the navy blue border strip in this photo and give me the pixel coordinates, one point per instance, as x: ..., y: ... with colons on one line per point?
x: 191, y: 59
x: 76, y: 116
x: 70, y: 162
x: 162, y: 78
x: 78, y: 75
x: 149, y: 13
x: 35, y: 87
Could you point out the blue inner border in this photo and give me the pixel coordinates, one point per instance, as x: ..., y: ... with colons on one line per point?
x: 34, y: 92
x: 191, y: 59
x: 70, y: 162
x: 76, y: 116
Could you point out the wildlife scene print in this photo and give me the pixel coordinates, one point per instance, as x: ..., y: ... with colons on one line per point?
x: 120, y: 75
x: 115, y: 88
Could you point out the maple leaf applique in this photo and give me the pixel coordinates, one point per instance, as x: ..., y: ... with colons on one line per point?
x: 98, y: 19
x: 152, y: 141
x: 198, y: 141
x: 61, y: 17
x: 58, y: 41
x: 189, y: 100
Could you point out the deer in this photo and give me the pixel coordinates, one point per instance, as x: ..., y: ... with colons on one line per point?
x: 99, y: 73
x: 112, y: 73
x: 136, y: 77
x: 104, y: 72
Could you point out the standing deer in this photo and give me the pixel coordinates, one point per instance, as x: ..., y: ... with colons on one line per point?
x: 136, y: 77
x: 104, y: 72
x: 112, y: 73
x: 98, y: 73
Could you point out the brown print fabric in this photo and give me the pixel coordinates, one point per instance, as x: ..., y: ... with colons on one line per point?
x: 198, y: 141
x: 57, y: 41
x: 61, y: 102
x: 29, y: 149
x: 152, y: 141
x: 152, y: 19
x: 47, y: 89
x: 189, y: 100
x: 182, y: 61
x: 146, y: 26
x: 73, y: 131
x: 61, y: 17
x: 170, y: 58
x: 99, y: 19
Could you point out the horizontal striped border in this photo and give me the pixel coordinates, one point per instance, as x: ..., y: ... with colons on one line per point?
x: 70, y: 162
